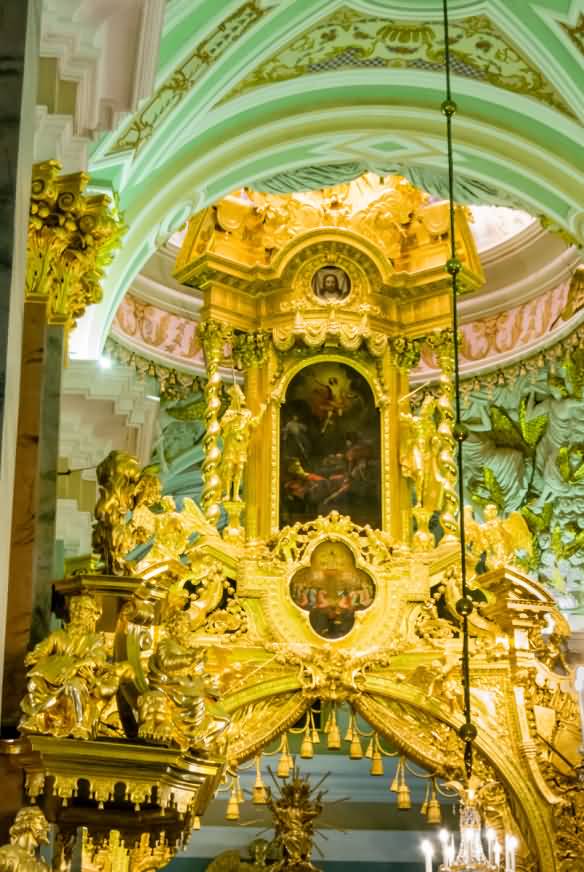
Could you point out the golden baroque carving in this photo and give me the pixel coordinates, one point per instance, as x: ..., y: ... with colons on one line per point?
x: 291, y: 543
x: 72, y: 237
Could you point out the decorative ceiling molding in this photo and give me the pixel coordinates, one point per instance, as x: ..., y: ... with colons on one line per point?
x: 106, y: 57
x: 207, y: 52
x: 576, y: 33
x: 349, y: 39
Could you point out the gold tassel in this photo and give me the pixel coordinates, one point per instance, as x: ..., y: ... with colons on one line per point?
x: 404, y: 798
x: 424, y: 806
x: 434, y: 812
x: 333, y: 733
x: 306, y: 748
x: 239, y: 793
x: 356, y: 750
x: 260, y: 794
x: 285, y: 762
x: 350, y: 730
x: 315, y: 735
x: 395, y: 783
x: 197, y: 822
x: 232, y: 813
x: 376, y: 758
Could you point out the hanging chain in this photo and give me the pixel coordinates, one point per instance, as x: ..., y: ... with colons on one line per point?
x: 464, y: 606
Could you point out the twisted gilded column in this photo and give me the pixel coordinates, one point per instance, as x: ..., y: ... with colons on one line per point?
x: 71, y: 238
x: 213, y: 336
x: 441, y: 344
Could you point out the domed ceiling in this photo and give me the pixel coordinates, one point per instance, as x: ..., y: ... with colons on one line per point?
x: 269, y: 98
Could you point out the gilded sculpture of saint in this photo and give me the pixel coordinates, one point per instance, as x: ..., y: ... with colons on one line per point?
x: 29, y: 830
x: 70, y: 678
x: 237, y: 426
x: 419, y: 447
x: 181, y: 706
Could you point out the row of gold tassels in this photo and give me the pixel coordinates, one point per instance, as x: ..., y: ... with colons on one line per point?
x: 430, y: 807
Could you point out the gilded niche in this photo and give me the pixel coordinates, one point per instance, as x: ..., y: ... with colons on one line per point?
x: 329, y: 446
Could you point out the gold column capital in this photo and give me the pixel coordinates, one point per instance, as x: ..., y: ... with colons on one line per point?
x: 214, y: 335
x: 71, y: 239
x: 441, y: 343
x: 405, y: 351
x: 251, y: 349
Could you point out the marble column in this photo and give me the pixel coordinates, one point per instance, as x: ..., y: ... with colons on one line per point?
x: 19, y: 38
x: 35, y: 499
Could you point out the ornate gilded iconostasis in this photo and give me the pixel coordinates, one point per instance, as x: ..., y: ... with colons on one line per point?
x: 311, y: 598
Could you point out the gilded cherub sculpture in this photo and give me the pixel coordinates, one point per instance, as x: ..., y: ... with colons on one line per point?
x: 29, y: 830
x: 237, y: 426
x: 70, y: 678
x: 181, y: 705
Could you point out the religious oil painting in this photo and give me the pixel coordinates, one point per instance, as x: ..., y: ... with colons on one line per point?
x: 331, y: 284
x: 329, y: 446
x: 332, y: 590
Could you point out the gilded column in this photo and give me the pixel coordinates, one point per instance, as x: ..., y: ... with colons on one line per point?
x: 71, y: 238
x: 441, y: 344
x: 214, y: 336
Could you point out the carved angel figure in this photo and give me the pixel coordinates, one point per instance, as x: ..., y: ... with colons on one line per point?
x: 237, y: 426
x: 123, y: 489
x: 181, y: 706
x: 29, y: 830
x: 501, y: 538
x: 70, y: 679
x: 419, y: 447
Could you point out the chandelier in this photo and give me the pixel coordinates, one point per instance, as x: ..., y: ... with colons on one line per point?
x: 471, y: 855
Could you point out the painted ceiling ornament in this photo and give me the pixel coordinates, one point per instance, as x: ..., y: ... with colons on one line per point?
x: 350, y: 39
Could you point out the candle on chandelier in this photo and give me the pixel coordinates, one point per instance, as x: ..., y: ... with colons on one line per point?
x: 428, y: 852
x: 443, y: 836
x: 451, y: 851
x: 491, y: 839
x: 510, y: 849
x: 497, y: 850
